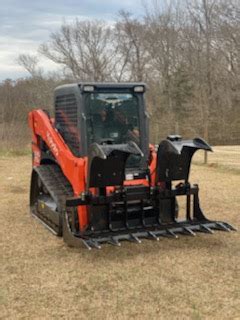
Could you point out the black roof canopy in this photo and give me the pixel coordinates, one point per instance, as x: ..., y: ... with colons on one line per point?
x: 100, y: 86
x: 103, y: 85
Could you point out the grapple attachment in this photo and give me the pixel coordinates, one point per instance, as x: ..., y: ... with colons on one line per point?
x: 133, y: 212
x: 174, y: 157
x: 107, y: 163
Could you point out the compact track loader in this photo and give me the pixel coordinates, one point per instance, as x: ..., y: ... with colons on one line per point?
x: 96, y: 179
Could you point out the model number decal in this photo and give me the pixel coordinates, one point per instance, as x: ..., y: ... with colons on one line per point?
x: 52, y: 144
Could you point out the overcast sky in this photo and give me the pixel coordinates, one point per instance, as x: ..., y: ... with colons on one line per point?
x: 24, y: 24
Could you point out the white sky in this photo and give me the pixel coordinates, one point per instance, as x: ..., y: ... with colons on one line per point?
x: 25, y: 24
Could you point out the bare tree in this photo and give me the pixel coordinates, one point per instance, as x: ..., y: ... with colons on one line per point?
x: 131, y: 35
x: 30, y: 63
x: 188, y: 52
x: 83, y: 48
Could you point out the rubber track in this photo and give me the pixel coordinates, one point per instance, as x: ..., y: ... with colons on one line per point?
x: 58, y: 187
x: 55, y: 182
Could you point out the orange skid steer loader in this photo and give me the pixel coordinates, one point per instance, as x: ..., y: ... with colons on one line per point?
x: 96, y: 179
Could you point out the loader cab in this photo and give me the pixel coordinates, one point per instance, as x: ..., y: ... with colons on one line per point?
x: 103, y: 113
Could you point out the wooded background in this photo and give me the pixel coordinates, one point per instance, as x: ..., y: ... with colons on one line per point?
x: 188, y: 53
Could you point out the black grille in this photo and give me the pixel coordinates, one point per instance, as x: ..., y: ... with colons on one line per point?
x: 66, y: 115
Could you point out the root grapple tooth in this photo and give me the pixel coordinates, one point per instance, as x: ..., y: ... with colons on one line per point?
x: 171, y: 233
x: 206, y: 229
x: 134, y: 237
x: 114, y: 242
x: 151, y: 234
x: 189, y: 231
x: 230, y: 227
x: 95, y: 244
x: 85, y: 242
x: 182, y: 228
x: 222, y: 226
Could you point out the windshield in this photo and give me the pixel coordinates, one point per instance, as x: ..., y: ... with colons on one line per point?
x: 113, y: 118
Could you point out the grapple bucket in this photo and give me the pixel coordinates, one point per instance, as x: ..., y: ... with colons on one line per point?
x: 107, y: 163
x: 141, y: 210
x: 174, y: 157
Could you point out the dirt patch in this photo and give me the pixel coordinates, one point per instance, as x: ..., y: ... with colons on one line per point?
x: 18, y: 190
x: 188, y: 278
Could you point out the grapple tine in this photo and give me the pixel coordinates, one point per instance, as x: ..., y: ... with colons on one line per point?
x: 114, y: 242
x: 136, y: 238
x: 95, y: 244
x: 206, y: 229
x: 222, y: 226
x: 170, y: 232
x: 91, y: 243
x: 189, y: 231
x: 151, y: 234
x: 230, y: 227
x: 86, y: 244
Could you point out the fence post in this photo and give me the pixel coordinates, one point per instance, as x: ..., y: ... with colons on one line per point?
x: 205, y: 157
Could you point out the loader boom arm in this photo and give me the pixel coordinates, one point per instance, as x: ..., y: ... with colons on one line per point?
x: 72, y: 167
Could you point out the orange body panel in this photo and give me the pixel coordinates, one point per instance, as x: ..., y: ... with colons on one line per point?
x: 74, y: 168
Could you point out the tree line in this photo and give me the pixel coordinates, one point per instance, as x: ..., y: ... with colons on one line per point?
x: 188, y: 53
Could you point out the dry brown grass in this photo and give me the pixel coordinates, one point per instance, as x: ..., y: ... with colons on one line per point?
x: 14, y: 138
x: 227, y: 157
x: 189, y: 278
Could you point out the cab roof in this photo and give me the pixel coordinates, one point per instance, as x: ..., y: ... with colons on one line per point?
x: 100, y: 85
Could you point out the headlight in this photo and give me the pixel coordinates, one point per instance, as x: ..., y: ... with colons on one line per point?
x: 88, y: 88
x: 139, y: 89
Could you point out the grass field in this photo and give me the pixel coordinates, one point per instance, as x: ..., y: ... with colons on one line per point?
x: 188, y: 278
x: 226, y: 157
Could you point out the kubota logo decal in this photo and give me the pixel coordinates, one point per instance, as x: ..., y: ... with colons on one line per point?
x: 52, y: 145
